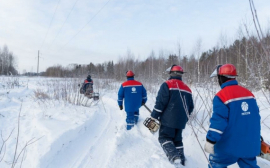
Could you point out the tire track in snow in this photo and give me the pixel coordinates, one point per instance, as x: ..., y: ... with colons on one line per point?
x: 101, y: 150
x: 84, y: 146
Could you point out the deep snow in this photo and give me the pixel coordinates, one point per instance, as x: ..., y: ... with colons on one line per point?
x: 91, y: 137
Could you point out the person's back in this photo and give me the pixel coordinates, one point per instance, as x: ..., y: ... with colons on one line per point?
x: 88, y: 80
x: 173, y: 106
x: 234, y: 132
x: 88, y: 83
x: 134, y: 94
x: 173, y: 92
x: 133, y: 91
x: 242, y: 135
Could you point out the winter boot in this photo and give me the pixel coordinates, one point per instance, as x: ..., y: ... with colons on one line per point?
x: 169, y: 150
x: 136, y: 117
x: 181, y: 154
x: 177, y: 162
x: 130, y: 124
x: 130, y: 120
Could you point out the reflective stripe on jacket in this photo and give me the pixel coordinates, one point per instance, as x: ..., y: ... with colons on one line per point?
x: 235, y: 123
x: 133, y: 93
x: 173, y: 101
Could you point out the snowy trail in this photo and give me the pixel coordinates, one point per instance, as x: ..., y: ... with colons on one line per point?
x: 102, y: 147
x: 91, y: 137
x: 86, y: 146
x: 103, y: 142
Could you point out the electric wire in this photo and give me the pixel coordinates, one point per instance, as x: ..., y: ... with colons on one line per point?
x: 190, y: 122
x: 88, y: 22
x: 63, y: 24
x: 50, y: 25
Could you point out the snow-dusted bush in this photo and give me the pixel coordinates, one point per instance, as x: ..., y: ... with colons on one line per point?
x: 9, y: 82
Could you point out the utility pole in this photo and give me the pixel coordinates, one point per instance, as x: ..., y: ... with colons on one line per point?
x: 38, y: 63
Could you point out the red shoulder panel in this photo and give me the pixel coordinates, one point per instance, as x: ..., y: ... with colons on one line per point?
x: 175, y: 84
x: 233, y: 93
x: 131, y: 83
x: 86, y: 81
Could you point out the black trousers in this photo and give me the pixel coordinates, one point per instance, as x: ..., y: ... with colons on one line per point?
x: 170, y: 140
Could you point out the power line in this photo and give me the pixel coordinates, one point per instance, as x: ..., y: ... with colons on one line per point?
x: 63, y: 23
x: 88, y: 22
x: 38, y: 62
x: 50, y: 25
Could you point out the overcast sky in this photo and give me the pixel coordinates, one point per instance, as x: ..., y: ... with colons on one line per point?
x: 140, y: 26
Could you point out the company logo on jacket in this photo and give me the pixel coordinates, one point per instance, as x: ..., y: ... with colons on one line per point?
x: 244, y: 106
x: 133, y: 90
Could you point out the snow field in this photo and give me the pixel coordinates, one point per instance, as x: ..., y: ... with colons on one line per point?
x: 96, y: 137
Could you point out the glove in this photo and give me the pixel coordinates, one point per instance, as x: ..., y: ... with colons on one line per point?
x: 209, y: 146
x: 143, y: 103
x: 121, y: 107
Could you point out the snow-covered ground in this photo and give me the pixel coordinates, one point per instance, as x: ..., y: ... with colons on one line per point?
x: 58, y: 134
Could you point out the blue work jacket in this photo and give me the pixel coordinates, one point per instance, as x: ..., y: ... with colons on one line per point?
x: 235, y: 123
x: 133, y: 93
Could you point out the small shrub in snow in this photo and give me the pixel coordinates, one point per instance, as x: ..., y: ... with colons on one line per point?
x: 40, y: 94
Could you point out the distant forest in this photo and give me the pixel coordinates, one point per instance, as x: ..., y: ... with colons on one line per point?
x: 249, y: 54
x: 7, y: 62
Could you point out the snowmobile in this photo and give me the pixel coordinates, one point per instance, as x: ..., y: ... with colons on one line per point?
x: 152, y: 124
x: 96, y: 96
x: 87, y: 90
x: 265, y: 150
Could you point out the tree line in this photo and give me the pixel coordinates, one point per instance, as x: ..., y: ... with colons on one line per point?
x: 7, y: 62
x: 246, y: 53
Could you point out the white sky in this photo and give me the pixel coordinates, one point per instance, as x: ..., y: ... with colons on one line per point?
x: 136, y: 25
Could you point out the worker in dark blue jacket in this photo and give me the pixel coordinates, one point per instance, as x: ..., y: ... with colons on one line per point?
x: 174, y: 104
x: 134, y: 95
x: 88, y: 82
x: 234, y: 133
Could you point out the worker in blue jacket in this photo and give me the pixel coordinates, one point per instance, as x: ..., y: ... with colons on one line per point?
x: 234, y: 133
x: 174, y: 104
x: 134, y: 95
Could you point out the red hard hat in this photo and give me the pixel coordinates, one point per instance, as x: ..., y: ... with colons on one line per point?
x: 176, y: 68
x: 228, y: 70
x: 130, y: 74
